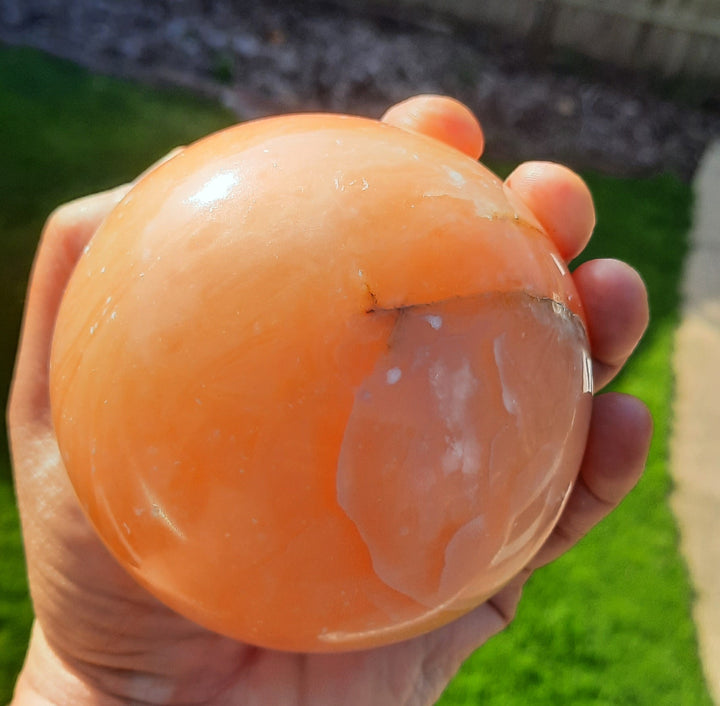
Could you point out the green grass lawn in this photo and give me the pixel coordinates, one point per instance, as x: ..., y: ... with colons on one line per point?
x: 609, y: 623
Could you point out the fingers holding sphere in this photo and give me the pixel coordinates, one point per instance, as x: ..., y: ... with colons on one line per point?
x: 558, y: 197
x: 443, y: 118
x: 560, y: 200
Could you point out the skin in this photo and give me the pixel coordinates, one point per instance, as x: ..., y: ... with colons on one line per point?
x: 99, y: 638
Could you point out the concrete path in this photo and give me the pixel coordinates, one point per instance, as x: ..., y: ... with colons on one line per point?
x: 695, y: 446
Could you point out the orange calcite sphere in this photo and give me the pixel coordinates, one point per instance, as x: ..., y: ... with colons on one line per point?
x: 321, y: 383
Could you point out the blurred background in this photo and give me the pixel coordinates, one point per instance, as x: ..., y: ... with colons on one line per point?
x: 628, y: 93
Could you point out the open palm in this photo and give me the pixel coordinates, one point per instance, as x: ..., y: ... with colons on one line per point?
x: 99, y: 638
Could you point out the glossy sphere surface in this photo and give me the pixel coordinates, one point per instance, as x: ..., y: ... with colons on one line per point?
x: 320, y: 383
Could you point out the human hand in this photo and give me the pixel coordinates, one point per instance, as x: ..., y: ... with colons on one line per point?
x: 99, y: 638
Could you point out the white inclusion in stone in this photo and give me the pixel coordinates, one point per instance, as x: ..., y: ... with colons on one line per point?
x: 434, y: 320
x: 455, y: 177
x: 508, y: 399
x: 454, y: 391
x: 216, y: 188
x: 393, y: 375
x: 461, y: 455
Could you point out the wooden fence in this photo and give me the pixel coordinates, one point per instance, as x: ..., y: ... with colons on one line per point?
x: 673, y: 37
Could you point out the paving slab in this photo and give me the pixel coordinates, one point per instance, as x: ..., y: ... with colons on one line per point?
x: 695, y: 442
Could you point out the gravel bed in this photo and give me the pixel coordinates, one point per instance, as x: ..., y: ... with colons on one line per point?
x: 270, y: 57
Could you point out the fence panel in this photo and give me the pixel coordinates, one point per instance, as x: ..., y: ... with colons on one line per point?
x: 675, y: 37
